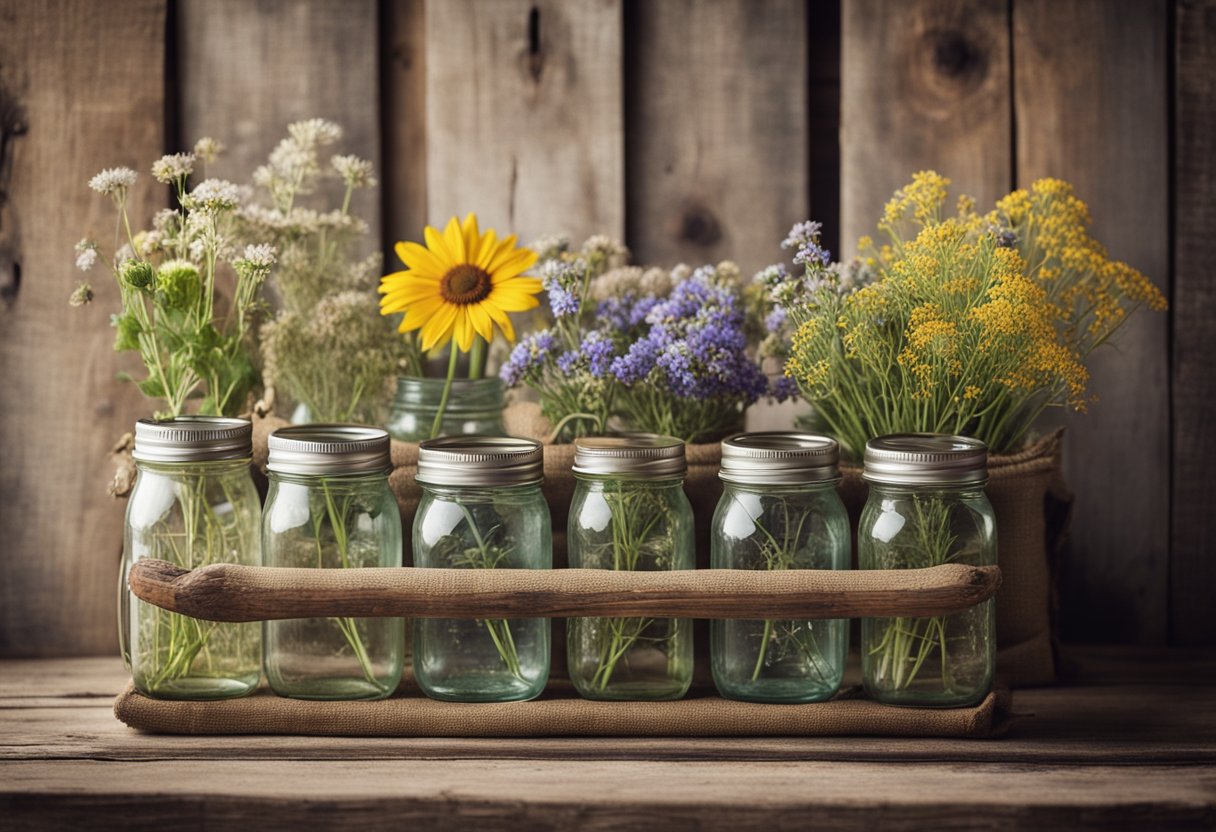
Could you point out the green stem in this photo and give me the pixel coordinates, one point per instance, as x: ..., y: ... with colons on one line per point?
x: 477, y: 357
x: 447, y: 391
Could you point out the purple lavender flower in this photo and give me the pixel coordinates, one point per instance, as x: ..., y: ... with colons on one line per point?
x: 598, y: 351
x: 812, y: 255
x: 563, y: 302
x: 528, y: 356
x: 775, y: 319
x: 801, y: 234
x: 566, y: 362
x: 783, y: 388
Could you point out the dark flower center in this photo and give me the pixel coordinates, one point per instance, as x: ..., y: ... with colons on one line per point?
x: 465, y: 284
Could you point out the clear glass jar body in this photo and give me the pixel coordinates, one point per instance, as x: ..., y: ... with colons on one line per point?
x: 190, y: 514
x: 332, y: 522
x: 482, y: 660
x: 776, y: 527
x: 474, y: 407
x: 944, y: 661
x: 633, y: 525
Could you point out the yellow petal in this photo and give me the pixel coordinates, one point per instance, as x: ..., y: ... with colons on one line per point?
x: 472, y: 237
x: 487, y: 250
x: 437, y: 243
x: 438, y: 330
x: 526, y: 285
x: 512, y: 301
x: 502, y: 319
x: 420, y: 259
x: 481, y: 322
x: 454, y: 237
x: 421, y: 312
x: 464, y: 330
x: 519, y: 260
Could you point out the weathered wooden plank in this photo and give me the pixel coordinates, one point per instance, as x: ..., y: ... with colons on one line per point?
x: 81, y: 89
x: 1193, y: 391
x: 403, y: 119
x: 228, y: 592
x: 925, y: 84
x: 524, y: 115
x: 716, y: 130
x: 247, y: 70
x: 497, y: 794
x: 1101, y: 122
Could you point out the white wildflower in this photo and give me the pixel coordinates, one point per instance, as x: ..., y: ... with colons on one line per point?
x: 208, y: 149
x: 550, y: 246
x: 81, y: 295
x: 259, y: 256
x: 728, y: 274
x: 356, y: 172
x: 197, y: 249
x: 680, y: 273
x: 113, y: 181
x: 656, y: 282
x: 169, y: 169
x: 164, y: 219
x: 315, y: 131
x: 86, y: 254
x: 612, y: 251
x: 123, y: 255
x: 215, y: 195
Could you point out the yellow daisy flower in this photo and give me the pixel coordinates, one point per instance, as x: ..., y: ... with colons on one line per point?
x: 459, y: 285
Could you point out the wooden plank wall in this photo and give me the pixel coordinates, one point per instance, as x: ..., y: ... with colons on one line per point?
x: 697, y: 130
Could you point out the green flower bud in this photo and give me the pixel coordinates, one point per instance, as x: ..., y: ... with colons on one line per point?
x: 126, y: 332
x: 178, y: 284
x: 138, y: 274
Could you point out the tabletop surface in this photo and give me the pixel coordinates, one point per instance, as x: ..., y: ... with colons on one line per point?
x: 1129, y: 741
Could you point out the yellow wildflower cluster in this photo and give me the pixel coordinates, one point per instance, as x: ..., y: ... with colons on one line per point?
x: 975, y: 323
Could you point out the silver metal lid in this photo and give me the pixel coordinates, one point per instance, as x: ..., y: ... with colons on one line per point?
x: 480, y: 460
x: 925, y: 459
x: 329, y: 449
x: 779, y: 458
x: 644, y: 456
x: 192, y: 439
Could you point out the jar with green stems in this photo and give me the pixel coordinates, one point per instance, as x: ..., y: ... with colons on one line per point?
x: 629, y: 512
x: 481, y: 508
x: 330, y: 507
x: 927, y: 507
x: 779, y: 510
x: 194, y: 504
x: 473, y: 406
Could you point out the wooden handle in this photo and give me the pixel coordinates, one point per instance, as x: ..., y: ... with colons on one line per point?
x: 227, y: 592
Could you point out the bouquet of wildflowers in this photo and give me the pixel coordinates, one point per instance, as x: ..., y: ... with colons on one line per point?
x: 970, y: 324
x: 325, y: 348
x: 168, y: 279
x: 658, y: 351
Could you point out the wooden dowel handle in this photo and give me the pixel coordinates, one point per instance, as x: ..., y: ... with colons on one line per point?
x: 227, y: 592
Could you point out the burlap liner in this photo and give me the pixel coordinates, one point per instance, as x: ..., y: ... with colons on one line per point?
x: 560, y: 716
x: 1032, y: 508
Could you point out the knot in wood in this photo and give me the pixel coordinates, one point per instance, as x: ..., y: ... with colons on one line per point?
x: 699, y: 225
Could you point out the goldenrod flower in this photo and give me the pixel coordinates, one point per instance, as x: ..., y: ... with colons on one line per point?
x: 461, y: 284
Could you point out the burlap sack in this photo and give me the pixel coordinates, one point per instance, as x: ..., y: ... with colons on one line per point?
x: 1032, y: 507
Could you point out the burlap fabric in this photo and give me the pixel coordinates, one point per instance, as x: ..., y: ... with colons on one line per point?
x: 559, y: 716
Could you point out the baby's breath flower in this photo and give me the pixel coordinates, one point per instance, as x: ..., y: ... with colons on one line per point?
x: 315, y: 131
x: 113, y: 181
x: 356, y: 172
x: 169, y: 169
x: 259, y: 256
x: 81, y: 295
x: 208, y: 149
x: 550, y: 246
x: 214, y: 195
x: 86, y: 254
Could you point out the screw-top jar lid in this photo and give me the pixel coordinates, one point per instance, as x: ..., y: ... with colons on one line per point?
x: 329, y: 449
x: 926, y: 459
x: 643, y: 456
x: 480, y: 461
x: 192, y: 439
x: 779, y: 458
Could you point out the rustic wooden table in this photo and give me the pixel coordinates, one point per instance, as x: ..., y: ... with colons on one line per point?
x: 1129, y: 743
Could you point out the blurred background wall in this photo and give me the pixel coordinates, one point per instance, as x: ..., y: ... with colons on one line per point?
x: 698, y: 131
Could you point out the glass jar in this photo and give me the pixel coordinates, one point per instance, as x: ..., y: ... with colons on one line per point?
x: 779, y: 510
x: 194, y: 503
x: 330, y: 507
x: 481, y: 508
x: 474, y: 406
x: 629, y: 512
x: 927, y: 507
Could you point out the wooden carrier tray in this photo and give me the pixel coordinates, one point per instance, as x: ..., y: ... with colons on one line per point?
x: 225, y: 592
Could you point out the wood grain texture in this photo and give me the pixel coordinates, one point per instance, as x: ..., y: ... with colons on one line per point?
x: 524, y: 115
x: 924, y: 85
x: 716, y: 130
x: 403, y: 120
x: 1193, y: 390
x: 227, y: 592
x: 247, y: 70
x: 1090, y: 82
x: 81, y: 89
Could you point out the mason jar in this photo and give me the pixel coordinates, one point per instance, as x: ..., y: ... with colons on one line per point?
x: 481, y: 508
x: 779, y: 510
x: 330, y: 507
x: 927, y: 507
x: 474, y: 406
x: 194, y: 504
x: 629, y: 512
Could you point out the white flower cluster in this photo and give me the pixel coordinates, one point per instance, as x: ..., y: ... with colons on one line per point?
x: 612, y: 253
x: 356, y: 172
x: 314, y: 132
x: 86, y: 254
x: 259, y: 256
x: 170, y: 169
x: 113, y: 181
x: 208, y: 149
x: 632, y: 280
x: 214, y: 195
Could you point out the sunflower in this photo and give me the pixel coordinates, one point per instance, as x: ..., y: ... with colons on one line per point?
x: 460, y: 285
